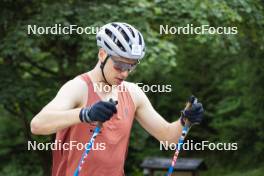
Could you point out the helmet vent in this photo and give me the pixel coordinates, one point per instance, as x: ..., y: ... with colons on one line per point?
x: 125, y: 35
x: 140, y: 39
x: 120, y: 46
x: 132, y: 32
x: 107, y: 46
x: 113, y: 24
x: 98, y: 38
x: 108, y: 32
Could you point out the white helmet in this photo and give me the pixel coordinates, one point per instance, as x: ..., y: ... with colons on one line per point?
x: 121, y: 39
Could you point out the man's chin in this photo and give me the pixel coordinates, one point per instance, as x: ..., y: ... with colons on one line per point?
x: 118, y: 81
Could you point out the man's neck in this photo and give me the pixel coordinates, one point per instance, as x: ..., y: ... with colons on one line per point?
x: 96, y: 75
x: 97, y: 78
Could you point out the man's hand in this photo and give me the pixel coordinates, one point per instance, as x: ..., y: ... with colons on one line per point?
x: 100, y: 111
x: 194, y: 114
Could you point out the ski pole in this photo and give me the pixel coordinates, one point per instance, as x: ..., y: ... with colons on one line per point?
x: 89, y: 147
x: 90, y: 144
x: 181, y: 140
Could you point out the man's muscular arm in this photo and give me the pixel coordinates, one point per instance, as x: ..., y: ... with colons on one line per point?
x: 152, y: 121
x: 63, y: 111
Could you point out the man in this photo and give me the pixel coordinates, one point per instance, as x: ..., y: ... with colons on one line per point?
x: 73, y: 113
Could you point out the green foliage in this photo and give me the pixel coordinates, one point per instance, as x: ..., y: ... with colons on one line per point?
x: 224, y: 71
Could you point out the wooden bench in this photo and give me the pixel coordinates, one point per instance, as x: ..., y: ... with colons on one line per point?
x: 184, y: 166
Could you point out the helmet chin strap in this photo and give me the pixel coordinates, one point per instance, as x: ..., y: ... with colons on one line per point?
x: 102, y: 68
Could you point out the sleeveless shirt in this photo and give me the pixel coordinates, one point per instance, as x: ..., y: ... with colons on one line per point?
x: 109, y: 151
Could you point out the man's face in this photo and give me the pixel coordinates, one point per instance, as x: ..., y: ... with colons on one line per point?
x: 117, y: 69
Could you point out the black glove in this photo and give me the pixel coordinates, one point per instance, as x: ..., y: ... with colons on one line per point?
x: 100, y: 111
x: 193, y: 114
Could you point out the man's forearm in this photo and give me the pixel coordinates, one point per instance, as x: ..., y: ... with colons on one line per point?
x: 48, y: 121
x: 174, y: 132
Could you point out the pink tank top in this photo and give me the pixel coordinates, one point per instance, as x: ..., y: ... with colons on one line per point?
x: 110, y: 146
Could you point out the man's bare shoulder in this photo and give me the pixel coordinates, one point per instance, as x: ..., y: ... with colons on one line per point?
x: 75, y: 89
x: 135, y: 91
x: 75, y: 84
x: 78, y: 82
